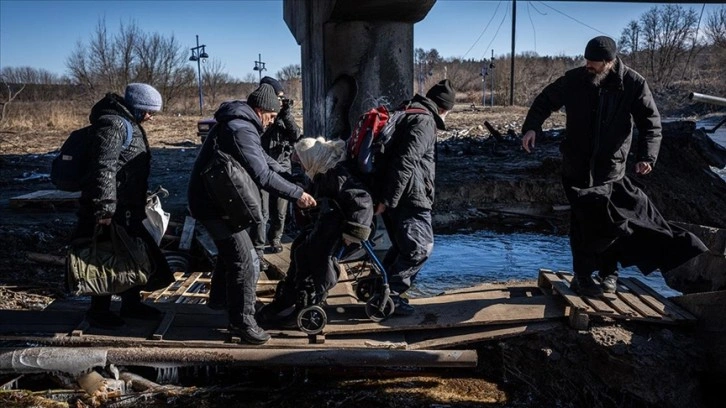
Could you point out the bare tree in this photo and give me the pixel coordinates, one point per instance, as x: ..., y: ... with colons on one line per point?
x: 8, y: 95
x: 716, y: 27
x: 289, y: 72
x: 214, y: 79
x: 668, y: 37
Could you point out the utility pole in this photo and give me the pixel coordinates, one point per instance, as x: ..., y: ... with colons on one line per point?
x: 484, y: 72
x: 511, y: 74
x: 259, y: 66
x: 491, y: 67
x: 198, y: 54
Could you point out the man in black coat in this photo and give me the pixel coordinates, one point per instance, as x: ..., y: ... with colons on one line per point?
x: 611, y: 219
x: 405, y: 190
x: 237, y: 133
x: 277, y: 141
x: 115, y: 192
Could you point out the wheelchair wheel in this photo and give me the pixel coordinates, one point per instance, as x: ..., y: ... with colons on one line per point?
x: 312, y: 319
x: 366, y: 287
x: 374, y: 310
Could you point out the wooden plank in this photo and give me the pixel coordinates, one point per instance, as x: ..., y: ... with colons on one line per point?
x: 656, y: 301
x: 164, y: 325
x: 467, y: 335
x: 45, y: 196
x: 636, y: 304
x: 189, y: 281
x: 449, y: 311
x: 559, y: 286
x: 185, y: 242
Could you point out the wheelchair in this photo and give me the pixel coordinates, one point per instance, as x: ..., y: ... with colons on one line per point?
x: 373, y: 289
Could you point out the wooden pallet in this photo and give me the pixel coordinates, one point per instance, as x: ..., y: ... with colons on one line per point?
x: 634, y: 300
x: 46, y: 198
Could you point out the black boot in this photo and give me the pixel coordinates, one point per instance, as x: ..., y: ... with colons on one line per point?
x: 249, y: 333
x: 133, y: 308
x: 583, y: 285
x: 99, y: 314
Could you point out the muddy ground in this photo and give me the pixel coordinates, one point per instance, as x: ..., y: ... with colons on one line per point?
x: 482, y: 182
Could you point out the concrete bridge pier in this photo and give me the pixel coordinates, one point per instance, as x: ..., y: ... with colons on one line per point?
x: 355, y: 55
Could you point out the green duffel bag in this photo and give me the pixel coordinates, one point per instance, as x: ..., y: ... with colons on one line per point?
x: 107, y: 267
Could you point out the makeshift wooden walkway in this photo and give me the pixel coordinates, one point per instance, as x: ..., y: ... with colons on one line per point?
x: 440, y: 324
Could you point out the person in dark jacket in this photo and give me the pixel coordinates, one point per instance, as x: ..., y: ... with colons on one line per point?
x: 612, y: 220
x: 277, y: 141
x: 115, y: 192
x: 236, y: 271
x: 344, y: 216
x: 405, y: 195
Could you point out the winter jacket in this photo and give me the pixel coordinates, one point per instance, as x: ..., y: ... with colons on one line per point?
x: 118, y: 180
x: 349, y: 196
x: 238, y: 131
x: 278, y: 139
x: 410, y: 164
x: 600, y: 122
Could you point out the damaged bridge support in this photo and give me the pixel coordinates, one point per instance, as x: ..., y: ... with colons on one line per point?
x: 355, y: 55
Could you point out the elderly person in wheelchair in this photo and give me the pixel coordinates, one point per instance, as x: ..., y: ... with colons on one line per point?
x: 342, y: 218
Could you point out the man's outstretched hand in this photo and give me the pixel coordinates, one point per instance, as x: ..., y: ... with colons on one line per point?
x: 528, y: 140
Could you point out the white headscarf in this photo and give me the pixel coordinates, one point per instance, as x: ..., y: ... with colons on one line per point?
x: 318, y: 155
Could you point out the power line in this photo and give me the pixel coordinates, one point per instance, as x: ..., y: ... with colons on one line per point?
x: 573, y: 19
x: 482, y: 32
x: 506, y: 13
x: 534, y: 31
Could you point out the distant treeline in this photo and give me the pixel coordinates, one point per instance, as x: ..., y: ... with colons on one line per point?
x: 674, y: 48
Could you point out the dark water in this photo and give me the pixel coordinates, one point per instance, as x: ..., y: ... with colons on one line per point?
x: 462, y: 260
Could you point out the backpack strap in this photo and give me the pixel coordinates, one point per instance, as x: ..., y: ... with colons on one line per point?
x: 129, y: 133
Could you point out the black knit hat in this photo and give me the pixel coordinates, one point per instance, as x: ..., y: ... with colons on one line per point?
x: 601, y: 48
x: 264, y: 98
x: 276, y: 85
x: 442, y: 94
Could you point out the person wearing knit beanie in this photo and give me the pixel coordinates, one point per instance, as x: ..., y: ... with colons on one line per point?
x: 601, y: 48
x: 275, y: 84
x: 143, y: 97
x: 613, y: 223
x: 264, y: 99
x: 443, y: 95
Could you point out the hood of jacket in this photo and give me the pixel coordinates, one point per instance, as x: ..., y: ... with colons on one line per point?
x: 111, y: 104
x: 429, y: 105
x: 231, y: 110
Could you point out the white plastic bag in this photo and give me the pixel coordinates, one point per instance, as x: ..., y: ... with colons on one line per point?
x: 156, y: 218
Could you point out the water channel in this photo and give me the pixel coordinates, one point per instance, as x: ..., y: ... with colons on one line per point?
x: 471, y: 258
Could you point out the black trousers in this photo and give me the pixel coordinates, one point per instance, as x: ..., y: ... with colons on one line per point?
x: 236, y: 272
x: 412, y: 241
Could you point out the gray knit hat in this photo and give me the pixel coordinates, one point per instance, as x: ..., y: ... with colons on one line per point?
x: 264, y: 98
x: 143, y: 97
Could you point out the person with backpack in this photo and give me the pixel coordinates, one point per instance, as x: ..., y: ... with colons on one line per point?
x: 236, y: 271
x: 277, y: 141
x: 344, y: 216
x: 404, y: 189
x: 114, y: 191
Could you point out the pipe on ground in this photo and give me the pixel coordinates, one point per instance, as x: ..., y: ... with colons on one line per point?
x: 75, y: 360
